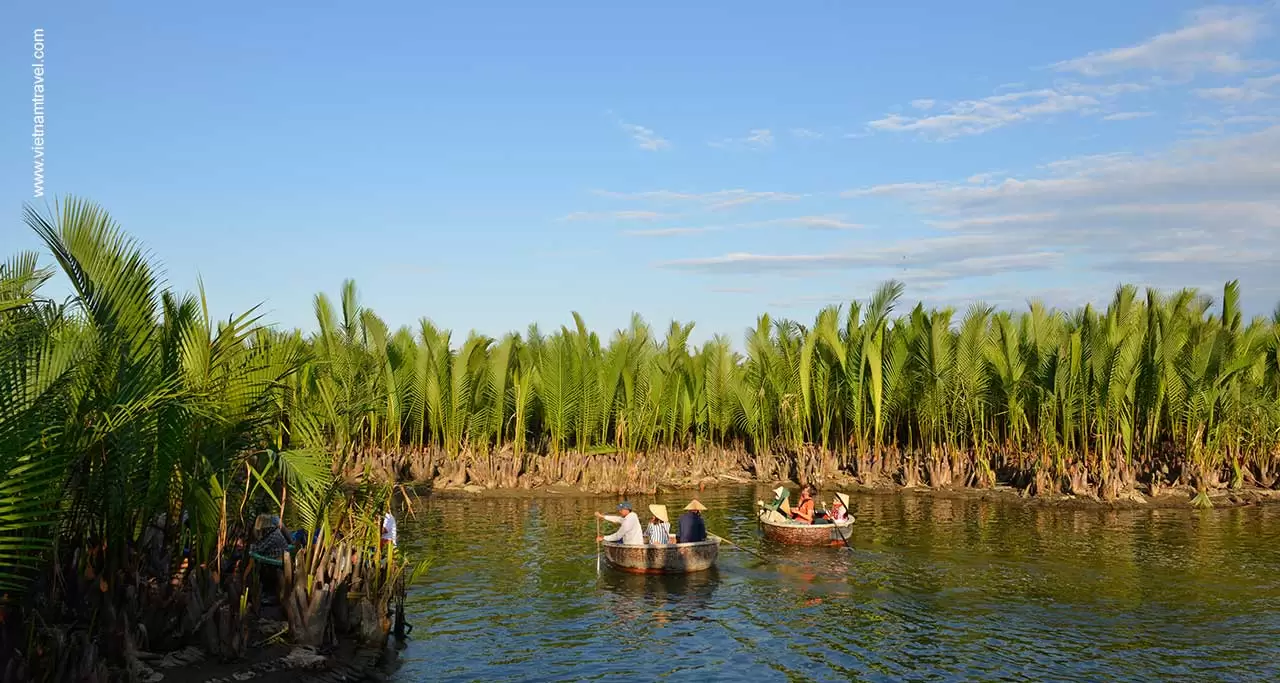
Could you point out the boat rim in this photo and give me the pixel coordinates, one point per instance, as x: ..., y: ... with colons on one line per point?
x: 800, y: 525
x: 709, y: 541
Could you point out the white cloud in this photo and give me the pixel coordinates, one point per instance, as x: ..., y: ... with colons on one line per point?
x: 673, y: 232
x: 983, y: 178
x: 1211, y: 41
x: 1104, y: 90
x: 613, y: 215
x: 1128, y: 115
x: 971, y: 117
x: 933, y: 258
x: 760, y: 137
x: 889, y: 189
x: 645, y: 138
x: 1196, y: 214
x: 756, y: 138
x: 815, y: 223
x: 823, y: 223
x: 1252, y: 90
x: 714, y: 201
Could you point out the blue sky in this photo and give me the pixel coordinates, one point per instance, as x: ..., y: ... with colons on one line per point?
x: 490, y: 164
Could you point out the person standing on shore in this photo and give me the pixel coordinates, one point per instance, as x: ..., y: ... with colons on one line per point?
x: 692, y: 528
x: 389, y: 534
x: 629, y: 532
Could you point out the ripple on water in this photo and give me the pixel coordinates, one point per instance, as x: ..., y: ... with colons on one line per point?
x: 933, y: 590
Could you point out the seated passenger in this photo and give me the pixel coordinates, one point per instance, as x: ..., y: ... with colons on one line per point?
x: 840, y: 508
x: 804, y: 511
x: 776, y: 511
x: 693, y: 529
x: 659, y: 530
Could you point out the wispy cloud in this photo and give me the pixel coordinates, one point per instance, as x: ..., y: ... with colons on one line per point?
x: 1212, y: 40
x: 675, y: 232
x: 1128, y: 115
x: 889, y: 189
x: 1252, y: 90
x: 614, y: 216
x: 814, y: 223
x: 758, y: 138
x: 822, y: 223
x: 971, y: 117
x: 1196, y: 214
x: 644, y: 137
x: 714, y: 201
x: 932, y: 259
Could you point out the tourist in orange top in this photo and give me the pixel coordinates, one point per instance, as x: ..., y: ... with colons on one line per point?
x: 804, y: 511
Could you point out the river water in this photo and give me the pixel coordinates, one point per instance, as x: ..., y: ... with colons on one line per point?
x: 932, y: 590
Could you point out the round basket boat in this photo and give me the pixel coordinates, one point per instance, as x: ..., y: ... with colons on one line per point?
x: 799, y: 533
x: 677, y: 558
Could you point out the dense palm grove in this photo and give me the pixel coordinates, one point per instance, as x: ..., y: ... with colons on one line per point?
x: 1162, y: 389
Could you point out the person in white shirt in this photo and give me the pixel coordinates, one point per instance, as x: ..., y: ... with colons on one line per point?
x: 629, y: 533
x: 388, y: 529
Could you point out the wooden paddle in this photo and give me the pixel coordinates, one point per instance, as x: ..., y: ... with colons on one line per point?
x: 837, y: 528
x: 735, y: 545
x: 597, y: 546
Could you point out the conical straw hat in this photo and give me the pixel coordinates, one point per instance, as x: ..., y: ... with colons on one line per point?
x: 844, y: 498
x: 695, y: 505
x: 659, y: 511
x: 780, y: 491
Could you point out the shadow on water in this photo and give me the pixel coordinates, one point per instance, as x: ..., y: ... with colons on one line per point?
x: 933, y: 589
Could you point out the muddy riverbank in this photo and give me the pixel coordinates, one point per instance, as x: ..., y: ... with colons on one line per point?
x: 1135, y: 499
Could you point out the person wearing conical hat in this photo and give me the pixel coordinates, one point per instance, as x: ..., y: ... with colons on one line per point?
x: 776, y: 511
x: 659, y: 530
x: 691, y: 527
x: 840, y: 507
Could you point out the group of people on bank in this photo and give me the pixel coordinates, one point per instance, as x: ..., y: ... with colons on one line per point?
x: 804, y: 512
x: 690, y: 527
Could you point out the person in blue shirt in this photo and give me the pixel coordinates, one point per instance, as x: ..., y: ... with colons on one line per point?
x: 691, y: 527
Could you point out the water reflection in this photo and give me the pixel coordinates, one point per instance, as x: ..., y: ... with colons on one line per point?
x: 667, y: 597
x: 932, y: 589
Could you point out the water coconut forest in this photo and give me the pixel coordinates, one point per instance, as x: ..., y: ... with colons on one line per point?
x: 142, y: 437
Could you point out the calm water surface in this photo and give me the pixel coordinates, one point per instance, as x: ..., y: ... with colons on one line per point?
x: 933, y: 590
